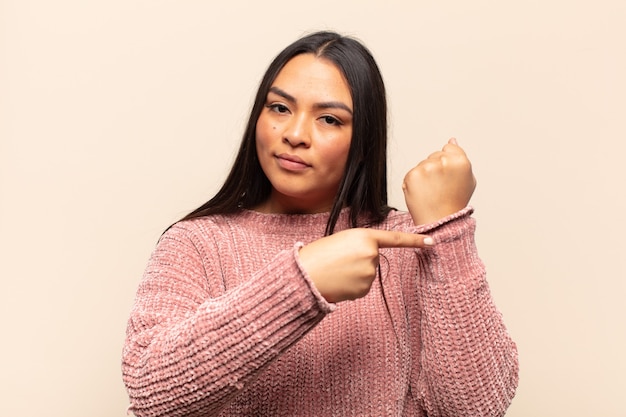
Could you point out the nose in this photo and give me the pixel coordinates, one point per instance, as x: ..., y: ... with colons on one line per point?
x: 297, y: 131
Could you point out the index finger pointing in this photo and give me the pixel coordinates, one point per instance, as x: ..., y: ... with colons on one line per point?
x: 393, y: 239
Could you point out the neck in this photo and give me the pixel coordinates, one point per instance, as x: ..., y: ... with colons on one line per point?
x: 277, y: 205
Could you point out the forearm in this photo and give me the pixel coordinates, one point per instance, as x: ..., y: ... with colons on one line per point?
x: 195, y: 363
x: 468, y: 361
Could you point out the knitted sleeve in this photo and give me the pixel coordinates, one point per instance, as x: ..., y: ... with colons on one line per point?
x: 468, y: 362
x: 187, y: 353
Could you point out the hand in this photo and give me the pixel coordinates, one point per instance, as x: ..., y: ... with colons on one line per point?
x: 440, y: 185
x: 343, y: 265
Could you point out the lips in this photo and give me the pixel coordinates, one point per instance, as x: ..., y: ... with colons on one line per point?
x: 291, y: 162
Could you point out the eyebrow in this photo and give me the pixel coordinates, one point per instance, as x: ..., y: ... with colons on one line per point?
x: 323, y: 105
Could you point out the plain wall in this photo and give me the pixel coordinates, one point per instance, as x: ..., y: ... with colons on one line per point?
x: 118, y: 117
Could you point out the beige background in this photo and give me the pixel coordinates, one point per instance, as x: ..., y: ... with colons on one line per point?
x: 117, y: 117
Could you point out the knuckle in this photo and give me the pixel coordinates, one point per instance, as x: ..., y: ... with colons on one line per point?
x: 396, y: 239
x: 363, y: 290
x: 462, y: 162
x: 416, y: 173
x: 432, y: 166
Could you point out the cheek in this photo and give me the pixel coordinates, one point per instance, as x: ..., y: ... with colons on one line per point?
x: 265, y: 131
x: 337, y: 156
x: 261, y: 134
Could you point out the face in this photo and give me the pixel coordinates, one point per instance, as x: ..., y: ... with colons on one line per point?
x: 303, y: 135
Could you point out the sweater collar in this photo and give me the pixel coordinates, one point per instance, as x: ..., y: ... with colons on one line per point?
x: 274, y: 222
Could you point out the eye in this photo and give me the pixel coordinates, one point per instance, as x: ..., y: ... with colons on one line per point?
x: 330, y: 120
x: 278, y: 108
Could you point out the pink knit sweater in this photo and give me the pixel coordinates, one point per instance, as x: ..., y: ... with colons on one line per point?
x: 227, y: 323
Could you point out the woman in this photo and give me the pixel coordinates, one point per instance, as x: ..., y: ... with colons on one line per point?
x: 296, y: 290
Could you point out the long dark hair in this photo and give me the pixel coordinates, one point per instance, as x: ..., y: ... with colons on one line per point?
x: 363, y: 187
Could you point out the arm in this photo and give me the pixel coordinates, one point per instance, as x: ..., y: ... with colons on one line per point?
x: 188, y: 353
x: 468, y: 362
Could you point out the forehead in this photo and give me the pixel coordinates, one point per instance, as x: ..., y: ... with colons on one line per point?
x: 309, y: 75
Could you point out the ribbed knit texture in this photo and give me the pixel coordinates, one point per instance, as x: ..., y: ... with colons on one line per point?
x: 227, y: 323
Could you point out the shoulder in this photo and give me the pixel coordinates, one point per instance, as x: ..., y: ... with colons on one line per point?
x: 199, y: 230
